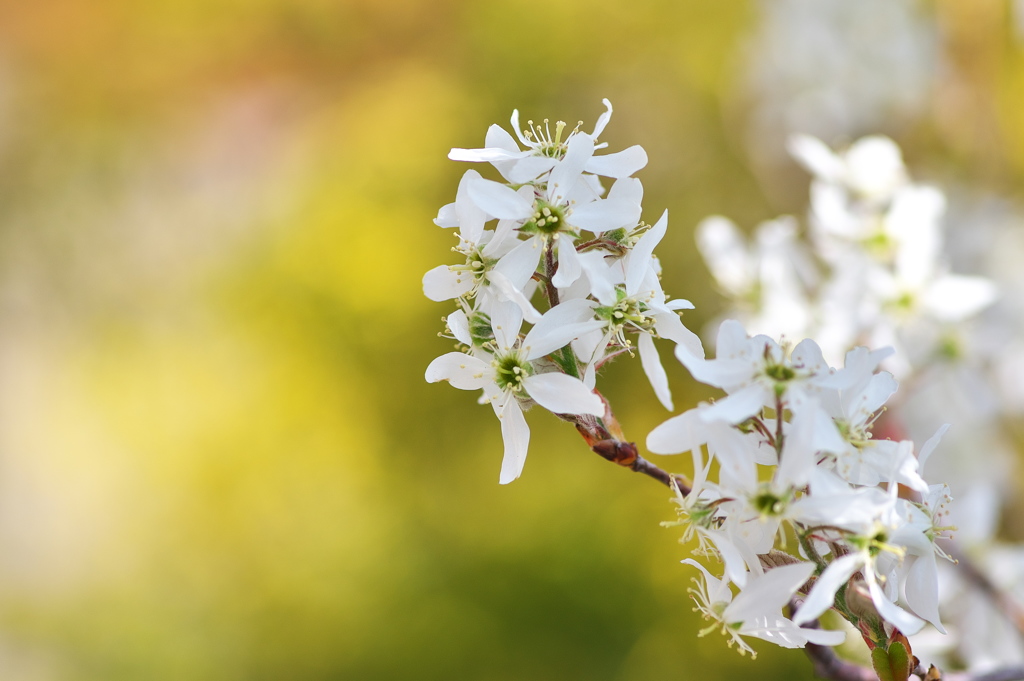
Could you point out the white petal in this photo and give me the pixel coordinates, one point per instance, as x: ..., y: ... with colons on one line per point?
x: 757, y: 536
x: 463, y: 371
x: 516, y: 435
x: 718, y: 589
x: 485, y: 155
x: 518, y: 130
x: 668, y: 325
x: 627, y: 189
x: 655, y: 372
x: 498, y: 137
x: 929, y: 446
x: 769, y: 592
x: 807, y: 355
x: 955, y: 297
x: 823, y: 594
x: 447, y: 217
x: 603, y: 119
x: 442, y: 283
x: 519, y: 264
x: 735, y: 566
x: 509, y: 293
x: 826, y: 434
x: 458, y: 322
x: 680, y: 304
x: 725, y: 252
x: 620, y: 164
x: 560, y: 325
x: 586, y: 346
x: 890, y: 612
x: 738, y: 470
x: 638, y: 262
x: 499, y: 200
x: 874, y: 165
x: 739, y: 406
x: 683, y: 433
x: 471, y: 217
x: 815, y: 156
x: 566, y: 173
x: 732, y: 339
x: 923, y: 590
x: 506, y: 320
x: 876, y: 393
x: 530, y: 168
x: 798, y: 450
x: 859, y: 365
x: 604, y: 214
x: 569, y: 269
x: 551, y: 338
x: 824, y: 637
x: 563, y: 394
x: 503, y: 241
x: 599, y: 276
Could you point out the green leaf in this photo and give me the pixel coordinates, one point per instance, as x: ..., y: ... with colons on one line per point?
x: 880, y: 661
x: 891, y: 665
x: 899, y: 661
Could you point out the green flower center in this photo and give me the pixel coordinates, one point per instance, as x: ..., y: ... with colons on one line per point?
x: 780, y: 373
x: 627, y: 310
x: 476, y: 266
x: 768, y: 504
x: 875, y: 543
x: 547, y: 219
x: 856, y: 436
x: 510, y: 371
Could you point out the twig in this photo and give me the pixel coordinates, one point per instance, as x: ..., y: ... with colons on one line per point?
x: 617, y: 450
x: 550, y: 267
x: 828, y: 665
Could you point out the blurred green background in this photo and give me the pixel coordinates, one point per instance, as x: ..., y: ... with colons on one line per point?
x: 218, y: 456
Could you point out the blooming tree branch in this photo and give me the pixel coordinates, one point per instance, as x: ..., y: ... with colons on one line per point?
x: 809, y: 511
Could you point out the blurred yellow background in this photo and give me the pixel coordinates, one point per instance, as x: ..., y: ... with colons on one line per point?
x: 218, y: 456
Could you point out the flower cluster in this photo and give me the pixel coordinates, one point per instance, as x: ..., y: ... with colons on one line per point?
x: 557, y: 235
x: 805, y: 508
x: 874, y: 273
x: 797, y: 461
x: 874, y: 267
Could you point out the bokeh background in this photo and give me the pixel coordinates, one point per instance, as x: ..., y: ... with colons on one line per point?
x: 218, y: 456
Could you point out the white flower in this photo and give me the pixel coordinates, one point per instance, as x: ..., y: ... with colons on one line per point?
x: 766, y: 280
x: 497, y: 267
x: 507, y: 374
x: 925, y: 523
x: 632, y: 300
x: 872, y: 168
x: 553, y: 213
x: 544, y: 149
x: 844, y: 426
x: 877, y: 544
x: 757, y: 609
x: 699, y: 516
x: 756, y: 373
